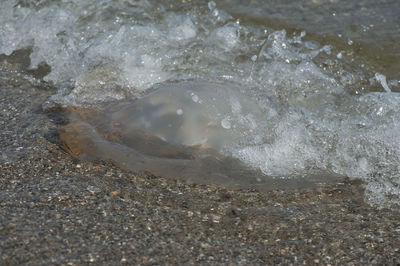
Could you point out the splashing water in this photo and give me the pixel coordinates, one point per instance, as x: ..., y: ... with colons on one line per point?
x: 187, y: 90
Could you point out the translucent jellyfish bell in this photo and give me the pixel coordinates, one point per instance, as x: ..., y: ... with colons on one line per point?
x: 190, y: 113
x: 180, y: 130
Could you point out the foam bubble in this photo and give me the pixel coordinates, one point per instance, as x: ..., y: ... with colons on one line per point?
x: 183, y: 31
x: 227, y: 37
x: 225, y: 123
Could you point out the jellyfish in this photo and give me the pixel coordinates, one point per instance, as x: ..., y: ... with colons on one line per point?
x: 180, y: 129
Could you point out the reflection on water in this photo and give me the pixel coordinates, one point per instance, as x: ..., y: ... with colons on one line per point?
x: 282, y: 94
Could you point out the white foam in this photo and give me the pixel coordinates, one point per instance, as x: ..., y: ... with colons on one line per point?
x: 186, y: 30
x: 225, y: 123
x: 226, y: 37
x: 382, y: 79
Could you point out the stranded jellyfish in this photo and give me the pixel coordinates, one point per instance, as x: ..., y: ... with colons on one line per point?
x: 181, y: 129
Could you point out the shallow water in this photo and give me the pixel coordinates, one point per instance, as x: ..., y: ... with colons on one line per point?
x: 370, y: 27
x: 232, y: 93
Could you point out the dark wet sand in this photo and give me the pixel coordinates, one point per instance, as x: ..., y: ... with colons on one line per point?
x: 57, y: 210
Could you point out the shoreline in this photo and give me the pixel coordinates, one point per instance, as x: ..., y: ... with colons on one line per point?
x: 56, y: 209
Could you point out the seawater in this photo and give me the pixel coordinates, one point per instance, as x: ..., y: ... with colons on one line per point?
x: 251, y: 84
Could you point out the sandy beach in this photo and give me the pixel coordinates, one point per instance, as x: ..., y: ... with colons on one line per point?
x: 58, y: 210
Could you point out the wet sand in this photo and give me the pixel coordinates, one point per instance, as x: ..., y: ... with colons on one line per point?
x: 58, y: 210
